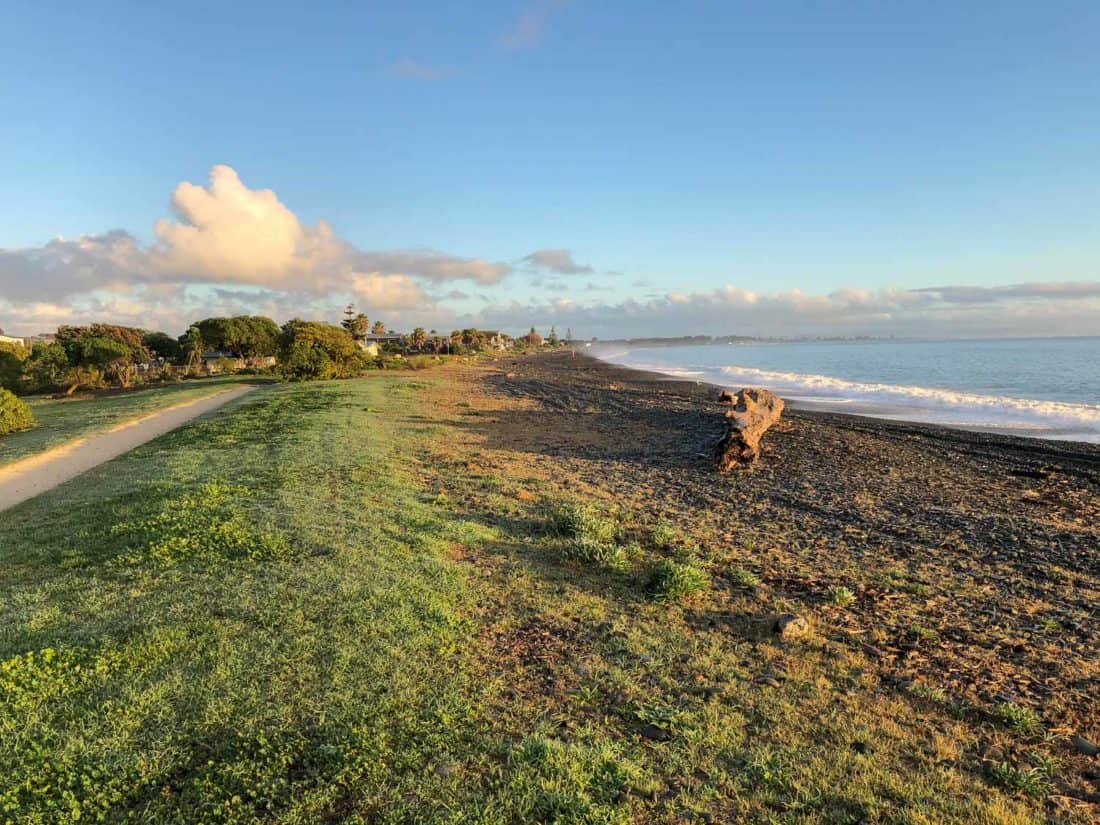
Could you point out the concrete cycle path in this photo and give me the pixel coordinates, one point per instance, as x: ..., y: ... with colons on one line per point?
x: 36, y: 474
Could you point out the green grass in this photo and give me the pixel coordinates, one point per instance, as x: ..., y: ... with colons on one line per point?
x: 744, y: 578
x: 202, y: 670
x: 1019, y: 718
x: 272, y: 615
x: 1033, y: 782
x: 582, y: 522
x: 670, y: 580
x: 62, y: 420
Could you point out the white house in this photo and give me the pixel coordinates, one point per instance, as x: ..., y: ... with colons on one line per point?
x: 7, y: 339
x: 497, y: 339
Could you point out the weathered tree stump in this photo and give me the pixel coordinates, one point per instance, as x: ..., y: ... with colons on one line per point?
x: 753, y: 411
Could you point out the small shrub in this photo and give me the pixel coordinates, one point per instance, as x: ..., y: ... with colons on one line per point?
x: 670, y: 580
x: 743, y: 577
x: 581, y: 521
x: 15, y: 415
x: 841, y: 596
x: 1021, y: 719
x: 311, y: 351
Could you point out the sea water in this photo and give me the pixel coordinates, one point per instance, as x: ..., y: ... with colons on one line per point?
x: 1039, y: 387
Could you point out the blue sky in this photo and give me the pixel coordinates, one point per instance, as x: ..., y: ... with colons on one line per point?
x: 679, y: 150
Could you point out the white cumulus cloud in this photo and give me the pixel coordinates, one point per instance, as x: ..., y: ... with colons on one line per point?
x: 224, y: 233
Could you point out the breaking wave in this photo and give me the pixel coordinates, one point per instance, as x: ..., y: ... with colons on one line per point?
x: 1040, y: 418
x: 1050, y: 418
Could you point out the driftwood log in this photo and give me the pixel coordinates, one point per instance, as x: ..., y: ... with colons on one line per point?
x: 752, y: 411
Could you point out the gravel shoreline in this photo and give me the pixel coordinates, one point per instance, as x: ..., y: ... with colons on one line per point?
x: 974, y: 558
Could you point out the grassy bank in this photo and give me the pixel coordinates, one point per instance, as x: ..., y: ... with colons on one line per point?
x: 329, y: 603
x: 60, y: 420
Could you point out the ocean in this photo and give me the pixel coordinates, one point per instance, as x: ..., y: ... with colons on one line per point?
x: 1038, y: 387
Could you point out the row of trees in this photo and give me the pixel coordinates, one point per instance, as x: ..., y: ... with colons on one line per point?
x: 91, y: 355
x: 112, y: 355
x: 102, y: 355
x: 473, y: 340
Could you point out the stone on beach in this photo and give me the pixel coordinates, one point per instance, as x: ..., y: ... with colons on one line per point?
x: 754, y: 411
x: 789, y: 627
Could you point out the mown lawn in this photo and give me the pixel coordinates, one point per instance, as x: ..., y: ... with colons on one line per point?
x: 318, y: 605
x: 64, y: 419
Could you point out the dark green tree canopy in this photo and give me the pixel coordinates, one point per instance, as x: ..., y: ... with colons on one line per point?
x: 246, y: 336
x: 103, y: 345
x: 163, y: 346
x: 311, y: 350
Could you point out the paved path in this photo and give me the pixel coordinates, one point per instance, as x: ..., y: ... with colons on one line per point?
x: 28, y: 477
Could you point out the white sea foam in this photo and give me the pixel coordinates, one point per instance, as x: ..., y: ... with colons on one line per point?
x: 1023, y: 416
x: 929, y: 403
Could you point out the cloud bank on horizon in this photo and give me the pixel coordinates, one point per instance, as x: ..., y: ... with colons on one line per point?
x: 232, y: 249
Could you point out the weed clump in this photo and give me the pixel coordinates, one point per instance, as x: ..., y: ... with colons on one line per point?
x: 1019, y: 718
x: 841, y: 596
x: 670, y: 580
x: 1034, y: 782
x: 612, y: 556
x: 743, y: 577
x: 581, y: 522
x: 664, y: 535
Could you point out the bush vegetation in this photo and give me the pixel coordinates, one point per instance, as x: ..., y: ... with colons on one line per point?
x: 313, y: 351
x: 15, y: 415
x: 13, y: 358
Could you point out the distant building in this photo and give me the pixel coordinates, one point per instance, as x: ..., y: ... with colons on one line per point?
x: 41, y: 338
x: 497, y: 339
x: 7, y: 339
x: 218, y: 360
x: 375, y: 343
